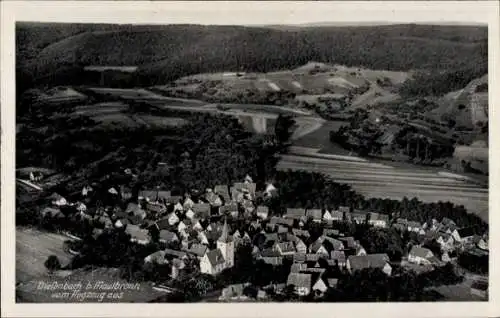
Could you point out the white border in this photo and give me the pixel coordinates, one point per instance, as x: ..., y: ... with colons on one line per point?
x: 235, y: 13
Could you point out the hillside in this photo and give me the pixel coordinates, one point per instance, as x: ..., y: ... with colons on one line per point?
x: 164, y: 53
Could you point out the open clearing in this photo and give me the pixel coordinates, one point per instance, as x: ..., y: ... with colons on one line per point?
x: 33, y: 247
x: 385, y: 181
x: 320, y: 138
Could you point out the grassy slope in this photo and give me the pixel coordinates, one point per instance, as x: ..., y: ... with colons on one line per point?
x: 167, y: 52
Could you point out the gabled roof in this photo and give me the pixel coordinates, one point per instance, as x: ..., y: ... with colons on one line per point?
x: 298, y: 267
x: 332, y: 282
x: 150, y: 194
x: 174, y: 199
x: 345, y: 209
x: 299, y: 257
x: 299, y: 280
x: 367, y: 261
x: 338, y: 256
x: 299, y: 232
x: 331, y: 232
x: 168, y: 235
x: 175, y: 253
x: 262, y: 209
x: 135, y: 209
x: 350, y: 242
x: 163, y: 223
x: 295, y: 213
x: 286, y: 247
x: 136, y: 232
x: 197, y: 249
x: 201, y: 208
x: 315, y: 214
x: 378, y: 217
x: 228, y: 207
x: 421, y: 252
x: 158, y: 208
x: 164, y: 195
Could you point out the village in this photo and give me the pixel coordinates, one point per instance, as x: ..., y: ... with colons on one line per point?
x: 210, y: 226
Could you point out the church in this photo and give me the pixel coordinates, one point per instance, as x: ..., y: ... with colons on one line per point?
x: 217, y: 260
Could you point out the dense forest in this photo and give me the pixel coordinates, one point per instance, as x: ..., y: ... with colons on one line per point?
x: 55, y: 53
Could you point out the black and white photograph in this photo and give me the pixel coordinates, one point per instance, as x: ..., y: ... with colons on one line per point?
x: 251, y: 160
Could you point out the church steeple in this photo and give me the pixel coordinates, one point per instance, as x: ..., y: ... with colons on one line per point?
x: 225, y: 237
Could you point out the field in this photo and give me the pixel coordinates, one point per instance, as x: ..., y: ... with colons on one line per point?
x: 385, y: 181
x: 33, y: 247
x: 320, y: 138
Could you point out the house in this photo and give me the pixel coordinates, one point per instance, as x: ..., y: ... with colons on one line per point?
x: 135, y: 209
x: 414, y: 226
x: 188, y: 203
x: 36, y: 176
x: 223, y: 191
x: 202, y: 210
x: 320, y: 286
x: 349, y: 242
x: 301, y: 233
x: 331, y: 232
x: 344, y: 209
x: 464, y: 235
x: 137, y: 234
x: 233, y: 292
x: 196, y: 225
x: 314, y: 214
x: 174, y: 200
x: 300, y: 246
x: 282, y: 229
x: 229, y: 208
x: 163, y: 196
x: 86, y: 190
x: 58, y: 200
x: 360, y: 250
x: 378, y: 220
x: 156, y: 258
x: 173, y: 218
x: 359, y: 217
x: 247, y: 206
x: 295, y: 213
x: 174, y: 254
x: 212, y: 262
x: 148, y: 195
x: 112, y: 191
x: 332, y: 282
x: 479, y: 288
x: 339, y: 258
x: 168, y: 236
x: 285, y: 248
x: 298, y: 267
x: 270, y: 190
x: 52, y: 212
x: 337, y: 215
x: 336, y: 244
x: 446, y: 241
x: 314, y: 257
x: 357, y: 263
x: 178, y: 207
x: 262, y: 212
x: 327, y: 216
x: 271, y: 256
x: 301, y: 283
x: 189, y: 213
x: 245, y: 187
x: 482, y: 243
x: 213, y: 198
x: 202, y: 238
x: 420, y: 255
x: 199, y: 250
x: 125, y: 192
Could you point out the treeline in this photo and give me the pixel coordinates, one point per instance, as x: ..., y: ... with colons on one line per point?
x: 164, y: 53
x: 438, y: 83
x: 315, y: 190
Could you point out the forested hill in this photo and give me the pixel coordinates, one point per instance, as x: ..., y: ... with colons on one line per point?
x: 49, y: 52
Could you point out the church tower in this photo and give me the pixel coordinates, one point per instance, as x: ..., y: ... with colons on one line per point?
x: 225, y: 244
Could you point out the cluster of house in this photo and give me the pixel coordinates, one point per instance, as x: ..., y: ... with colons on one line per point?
x: 198, y: 228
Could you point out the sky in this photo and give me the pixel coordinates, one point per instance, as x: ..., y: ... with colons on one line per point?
x: 257, y: 13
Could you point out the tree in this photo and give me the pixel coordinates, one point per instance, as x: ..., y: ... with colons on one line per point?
x: 52, y: 263
x: 283, y: 127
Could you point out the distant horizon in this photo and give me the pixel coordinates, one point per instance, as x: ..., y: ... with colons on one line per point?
x: 267, y: 13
